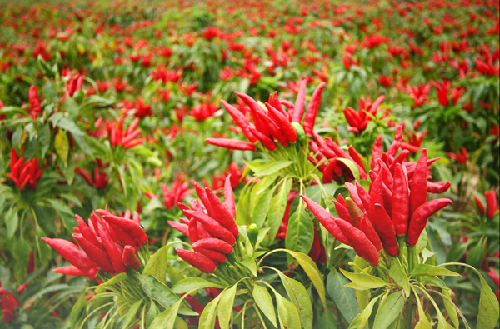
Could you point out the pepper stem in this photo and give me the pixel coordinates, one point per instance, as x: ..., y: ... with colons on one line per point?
x: 412, y: 258
x: 408, y: 313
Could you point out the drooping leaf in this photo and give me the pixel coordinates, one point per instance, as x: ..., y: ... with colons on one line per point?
x: 389, y: 310
x: 344, y: 298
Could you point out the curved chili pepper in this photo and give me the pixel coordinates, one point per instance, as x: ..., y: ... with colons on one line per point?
x: 215, y: 256
x: 229, y: 203
x: 419, y: 217
x: 359, y: 163
x: 325, y: 219
x: 192, y: 230
x: 355, y: 212
x: 342, y: 212
x: 221, y: 214
x: 231, y: 144
x: 479, y: 205
x: 196, y: 259
x: 266, y: 141
x: 259, y: 118
x: 363, y: 195
x: 130, y: 258
x: 354, y: 195
x: 298, y: 108
x: 214, y: 244
x: 183, y: 228
x: 359, y: 242
x: 491, y: 203
x: 312, y: 109
x: 212, y: 226
x: 114, y: 255
x: 71, y: 253
x: 283, y: 123
x: 97, y: 255
x: 402, y: 156
x: 385, y: 230
x: 376, y: 152
x: 438, y: 187
x: 69, y: 270
x: 418, y: 189
x: 240, y: 120
x: 365, y: 226
x: 125, y: 224
x: 200, y: 191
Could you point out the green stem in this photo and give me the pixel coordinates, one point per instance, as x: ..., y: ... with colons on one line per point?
x: 408, y: 313
x: 412, y: 258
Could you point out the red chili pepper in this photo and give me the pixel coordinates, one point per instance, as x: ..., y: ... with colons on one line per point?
x: 283, y: 123
x: 491, y: 203
x: 202, y: 231
x: 342, y: 212
x: 400, y: 201
x: 438, y: 187
x: 124, y: 237
x: 128, y: 138
x: 354, y: 195
x: 375, y: 196
x: 222, y: 215
x: 69, y: 270
x: 387, y: 199
x: 298, y: 109
x: 31, y: 263
x: 266, y: 141
x: 134, y: 143
x: 229, y: 203
x: 479, y: 205
x: 125, y: 224
x: 113, y: 254
x: 240, y: 120
x: 22, y: 288
x: 71, y: 253
x: 418, y: 189
x: 419, y: 217
x: 196, y: 259
x: 193, y: 230
x: 214, y: 244
x: 359, y: 163
x: 316, y: 247
x: 402, y: 156
x: 325, y: 219
x: 212, y: 226
x: 85, y: 175
x: 398, y: 138
x: 363, y: 195
x: 312, y: 109
x: 215, y: 256
x: 385, y: 230
x: 130, y: 258
x: 365, y: 226
x: 183, y: 228
x: 376, y: 152
x: 231, y: 144
x: 97, y: 255
x: 341, y: 200
x: 359, y: 242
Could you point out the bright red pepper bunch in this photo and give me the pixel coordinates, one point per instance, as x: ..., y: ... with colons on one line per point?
x: 124, y: 137
x: 178, y: 192
x: 272, y: 124
x: 358, y: 121
x: 100, y: 178
x: 491, y: 204
x: 395, y: 206
x: 8, y: 304
x: 460, y: 157
x: 334, y: 169
x: 210, y: 226
x: 107, y: 244
x: 24, y: 174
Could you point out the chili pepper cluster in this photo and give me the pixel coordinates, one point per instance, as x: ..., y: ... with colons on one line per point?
x: 272, y: 124
x: 491, y: 204
x: 24, y: 174
x: 395, y: 206
x: 358, y: 121
x: 177, y: 194
x: 210, y: 226
x: 100, y: 178
x: 107, y: 244
x: 328, y: 157
x: 124, y: 137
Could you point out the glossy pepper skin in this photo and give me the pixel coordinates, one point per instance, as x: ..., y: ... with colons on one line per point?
x: 359, y: 242
x: 419, y: 218
x: 196, y: 259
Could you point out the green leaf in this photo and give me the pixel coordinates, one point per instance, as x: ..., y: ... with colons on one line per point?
x: 344, y: 298
x: 11, y: 221
x: 193, y: 283
x: 272, y: 168
x: 430, y: 270
x: 66, y: 213
x: 61, y: 145
x: 132, y: 313
x: 278, y: 206
x: 363, y: 281
x: 243, y: 208
x: 316, y: 192
x: 389, y: 310
x: 352, y: 167
x: 157, y: 290
x: 287, y: 313
x: 442, y: 323
x: 361, y: 320
x: 249, y: 263
x: 225, y: 307
x: 207, y: 318
x: 44, y: 138
x: 158, y: 264
x: 261, y: 208
x: 487, y: 317
x: 72, y: 108
x: 398, y: 275
x: 448, y: 304
x: 166, y: 319
x: 423, y: 322
x: 300, y: 298
x: 312, y: 272
x: 77, y: 310
x: 264, y: 301
x: 114, y: 280
x: 300, y: 231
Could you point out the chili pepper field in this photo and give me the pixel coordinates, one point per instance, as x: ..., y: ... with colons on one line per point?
x: 249, y: 164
